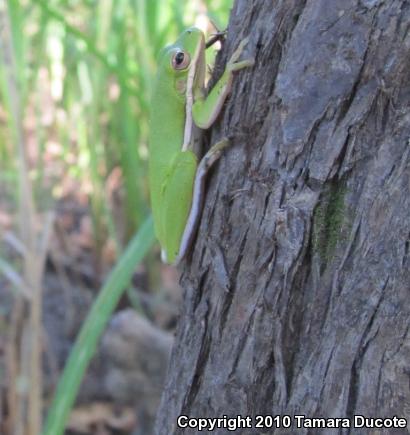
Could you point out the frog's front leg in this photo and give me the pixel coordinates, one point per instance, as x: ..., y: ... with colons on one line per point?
x: 205, y: 110
x: 206, y: 163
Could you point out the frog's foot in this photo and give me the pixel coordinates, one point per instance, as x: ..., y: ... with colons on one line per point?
x: 233, y: 65
x: 216, y: 149
x: 212, y: 155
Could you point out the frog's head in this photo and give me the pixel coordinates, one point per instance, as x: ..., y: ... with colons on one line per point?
x: 185, y: 60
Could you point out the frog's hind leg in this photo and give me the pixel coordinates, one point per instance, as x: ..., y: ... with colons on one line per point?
x: 206, y: 163
x: 176, y: 198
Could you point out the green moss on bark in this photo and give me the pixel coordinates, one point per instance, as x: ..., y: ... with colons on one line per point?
x: 328, y: 220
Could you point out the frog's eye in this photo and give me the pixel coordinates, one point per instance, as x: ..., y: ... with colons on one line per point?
x: 180, y: 60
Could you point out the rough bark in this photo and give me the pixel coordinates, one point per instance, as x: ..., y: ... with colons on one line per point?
x: 297, y: 294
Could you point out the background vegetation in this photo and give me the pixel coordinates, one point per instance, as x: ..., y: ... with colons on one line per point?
x: 75, y: 82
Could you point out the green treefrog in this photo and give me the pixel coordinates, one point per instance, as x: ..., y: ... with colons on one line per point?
x: 178, y: 107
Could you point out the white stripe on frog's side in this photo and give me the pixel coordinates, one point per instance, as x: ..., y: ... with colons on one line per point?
x: 190, y: 97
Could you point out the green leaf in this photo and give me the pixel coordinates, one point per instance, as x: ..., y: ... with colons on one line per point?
x: 87, y: 340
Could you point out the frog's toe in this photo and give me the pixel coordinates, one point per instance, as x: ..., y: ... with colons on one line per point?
x: 237, y: 53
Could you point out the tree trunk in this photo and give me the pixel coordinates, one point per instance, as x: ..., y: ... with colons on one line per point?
x: 297, y: 294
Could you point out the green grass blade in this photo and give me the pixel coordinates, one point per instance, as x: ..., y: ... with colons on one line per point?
x: 18, y: 41
x: 111, y: 66
x: 87, y: 340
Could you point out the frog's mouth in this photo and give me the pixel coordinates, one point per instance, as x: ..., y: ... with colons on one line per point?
x: 195, y: 75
